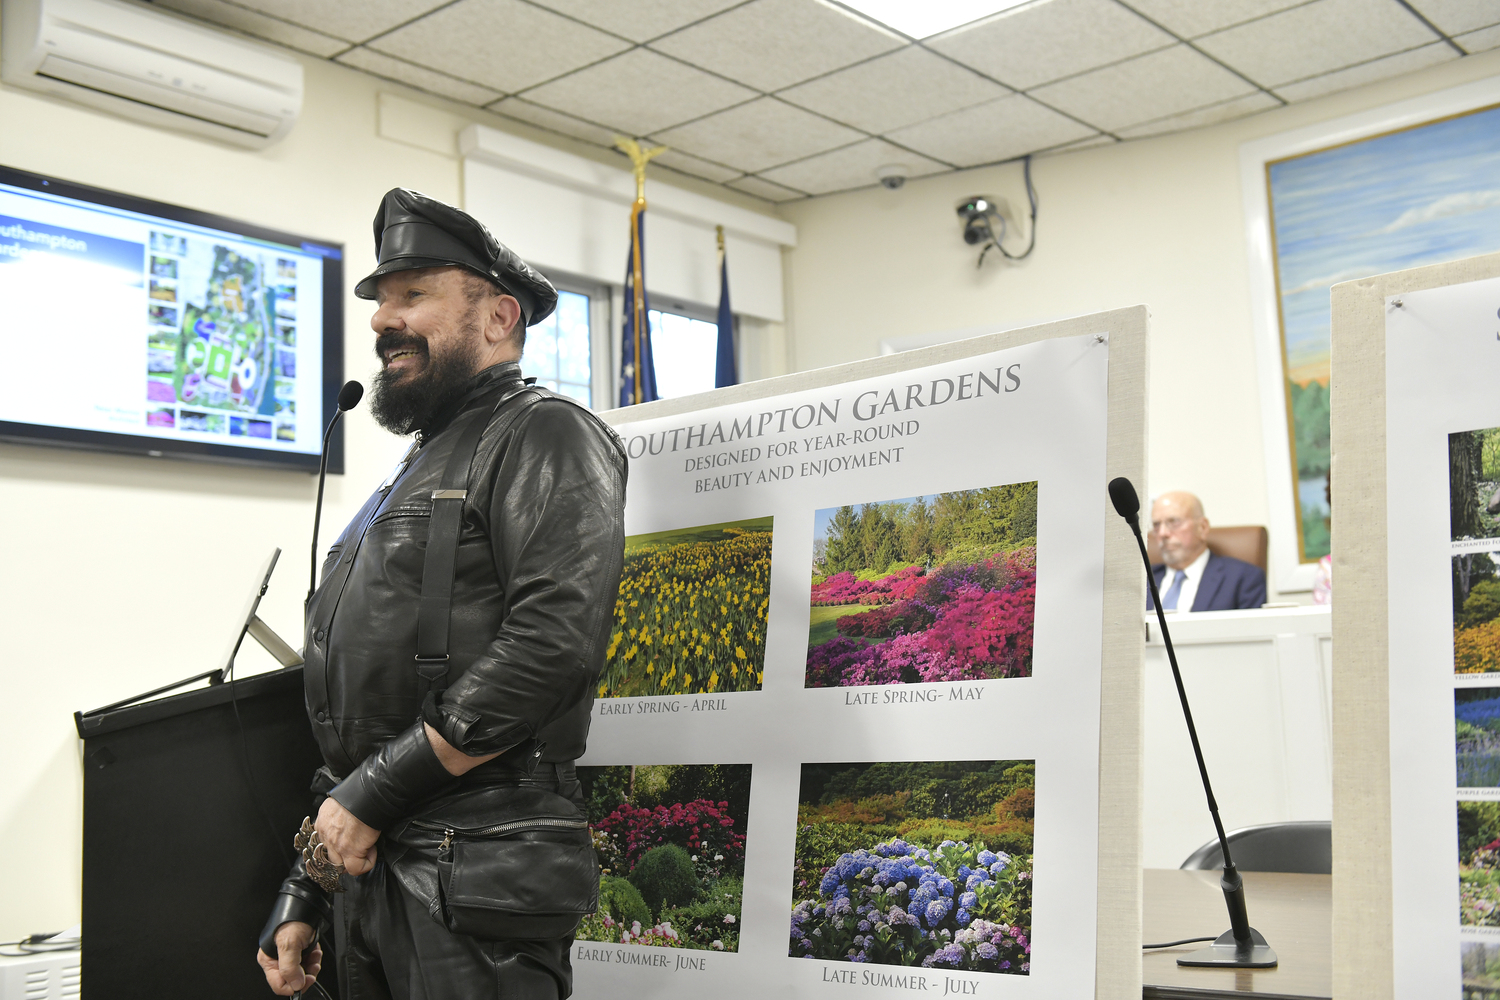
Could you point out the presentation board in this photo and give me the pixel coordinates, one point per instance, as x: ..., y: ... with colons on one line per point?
x: 1416, y: 681
x: 870, y: 718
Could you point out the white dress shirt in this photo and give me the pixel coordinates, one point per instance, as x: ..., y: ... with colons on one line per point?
x: 1190, y: 583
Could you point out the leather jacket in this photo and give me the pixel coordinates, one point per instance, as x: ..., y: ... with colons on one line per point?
x: 536, y: 576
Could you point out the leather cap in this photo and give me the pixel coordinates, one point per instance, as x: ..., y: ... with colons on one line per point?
x: 413, y: 230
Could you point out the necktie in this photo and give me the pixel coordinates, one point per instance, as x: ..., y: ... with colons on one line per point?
x: 1169, y: 600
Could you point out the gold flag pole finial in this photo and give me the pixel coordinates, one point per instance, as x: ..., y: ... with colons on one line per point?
x: 639, y: 157
x: 719, y: 232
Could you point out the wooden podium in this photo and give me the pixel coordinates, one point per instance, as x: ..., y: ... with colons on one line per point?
x: 188, y: 818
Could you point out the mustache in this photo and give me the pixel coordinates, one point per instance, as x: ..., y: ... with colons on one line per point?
x: 392, y: 341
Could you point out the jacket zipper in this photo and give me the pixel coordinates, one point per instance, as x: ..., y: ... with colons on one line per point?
x: 392, y: 514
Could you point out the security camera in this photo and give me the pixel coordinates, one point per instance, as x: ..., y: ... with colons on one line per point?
x: 892, y: 175
x: 982, y: 220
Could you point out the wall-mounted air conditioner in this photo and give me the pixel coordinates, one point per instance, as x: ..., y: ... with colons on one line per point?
x: 152, y: 67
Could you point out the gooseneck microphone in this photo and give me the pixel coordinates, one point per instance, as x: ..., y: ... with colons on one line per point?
x: 349, y: 397
x: 1242, y: 946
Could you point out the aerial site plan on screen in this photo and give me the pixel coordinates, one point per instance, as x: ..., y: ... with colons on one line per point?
x: 222, y: 353
x: 175, y: 331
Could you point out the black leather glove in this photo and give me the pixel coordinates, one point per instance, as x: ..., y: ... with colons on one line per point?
x: 299, y: 899
x: 388, y: 783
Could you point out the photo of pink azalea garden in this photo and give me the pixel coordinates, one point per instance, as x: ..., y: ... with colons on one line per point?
x: 929, y: 588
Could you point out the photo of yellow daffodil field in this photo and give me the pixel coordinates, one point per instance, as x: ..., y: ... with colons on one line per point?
x: 691, y: 615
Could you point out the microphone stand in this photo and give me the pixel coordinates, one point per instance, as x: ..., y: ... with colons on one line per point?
x: 312, y: 576
x: 1242, y: 946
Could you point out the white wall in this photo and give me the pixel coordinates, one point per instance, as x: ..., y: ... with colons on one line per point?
x: 1156, y: 221
x: 108, y: 583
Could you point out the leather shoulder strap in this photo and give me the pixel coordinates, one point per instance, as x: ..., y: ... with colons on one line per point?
x: 436, y: 605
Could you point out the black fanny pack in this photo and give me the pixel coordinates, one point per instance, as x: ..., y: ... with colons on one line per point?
x: 512, y: 863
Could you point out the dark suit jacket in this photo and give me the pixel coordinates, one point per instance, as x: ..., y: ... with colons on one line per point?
x: 1228, y: 584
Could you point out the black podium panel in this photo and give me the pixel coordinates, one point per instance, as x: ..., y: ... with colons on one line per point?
x: 180, y: 867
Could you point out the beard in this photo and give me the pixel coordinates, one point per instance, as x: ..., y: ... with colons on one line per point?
x: 405, y: 401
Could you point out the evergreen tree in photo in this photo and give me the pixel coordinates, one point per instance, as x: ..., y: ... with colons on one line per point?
x: 845, y: 548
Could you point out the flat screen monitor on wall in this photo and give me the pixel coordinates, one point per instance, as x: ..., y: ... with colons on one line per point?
x: 135, y: 326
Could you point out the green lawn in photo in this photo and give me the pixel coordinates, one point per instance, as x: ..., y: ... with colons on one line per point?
x: 701, y: 533
x: 823, y: 624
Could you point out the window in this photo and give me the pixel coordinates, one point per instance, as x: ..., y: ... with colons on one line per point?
x: 686, y: 353
x: 558, y: 349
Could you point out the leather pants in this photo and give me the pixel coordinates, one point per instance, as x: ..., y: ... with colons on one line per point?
x: 389, y: 948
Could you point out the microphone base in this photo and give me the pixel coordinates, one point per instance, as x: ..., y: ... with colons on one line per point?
x: 1226, y: 953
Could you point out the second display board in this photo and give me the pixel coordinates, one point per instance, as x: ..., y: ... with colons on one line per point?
x: 848, y: 734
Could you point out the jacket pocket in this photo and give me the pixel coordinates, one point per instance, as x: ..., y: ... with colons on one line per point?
x: 529, y: 879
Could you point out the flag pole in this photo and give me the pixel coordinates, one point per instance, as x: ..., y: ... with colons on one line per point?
x: 639, y: 157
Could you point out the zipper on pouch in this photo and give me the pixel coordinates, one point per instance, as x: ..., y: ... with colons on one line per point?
x: 499, y: 830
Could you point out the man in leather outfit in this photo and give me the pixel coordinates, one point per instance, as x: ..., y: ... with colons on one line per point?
x: 534, y: 580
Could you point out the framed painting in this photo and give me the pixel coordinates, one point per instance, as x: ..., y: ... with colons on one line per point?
x: 1397, y: 187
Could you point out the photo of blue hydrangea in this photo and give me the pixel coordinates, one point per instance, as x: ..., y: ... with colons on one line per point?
x: 916, y: 864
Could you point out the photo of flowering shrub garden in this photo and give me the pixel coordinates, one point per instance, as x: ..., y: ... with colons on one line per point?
x: 927, y: 588
x: 671, y: 844
x: 1479, y: 864
x: 1474, y: 513
x: 691, y: 615
x: 916, y: 864
x: 1476, y: 721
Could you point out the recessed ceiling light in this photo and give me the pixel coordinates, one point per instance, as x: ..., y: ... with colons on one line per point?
x: 928, y: 17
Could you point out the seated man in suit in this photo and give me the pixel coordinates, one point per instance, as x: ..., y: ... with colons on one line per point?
x: 1200, y: 580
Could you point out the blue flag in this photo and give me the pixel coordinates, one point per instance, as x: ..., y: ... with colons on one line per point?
x: 724, y: 373
x: 637, y: 367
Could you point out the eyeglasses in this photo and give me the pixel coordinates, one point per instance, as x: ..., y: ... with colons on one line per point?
x: 1169, y: 525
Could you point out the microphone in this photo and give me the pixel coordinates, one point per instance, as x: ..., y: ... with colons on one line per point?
x: 1242, y: 946
x: 349, y: 397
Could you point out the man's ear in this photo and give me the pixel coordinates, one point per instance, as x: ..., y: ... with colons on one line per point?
x: 506, y: 312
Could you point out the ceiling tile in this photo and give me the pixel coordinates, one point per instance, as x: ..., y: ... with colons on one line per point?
x: 1456, y: 16
x: 505, y: 44
x: 707, y: 169
x: 418, y: 76
x: 1191, y: 18
x: 1152, y: 86
x: 1047, y: 41
x: 987, y: 133
x: 851, y: 167
x: 761, y: 134
x: 639, y: 20
x: 1317, y: 38
x: 772, y: 44
x: 765, y: 189
x: 355, y: 20
x: 640, y: 92
x: 554, y: 121
x: 1236, y: 107
x: 906, y: 86
x: 259, y: 25
x: 1378, y: 69
x: 1480, y: 41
